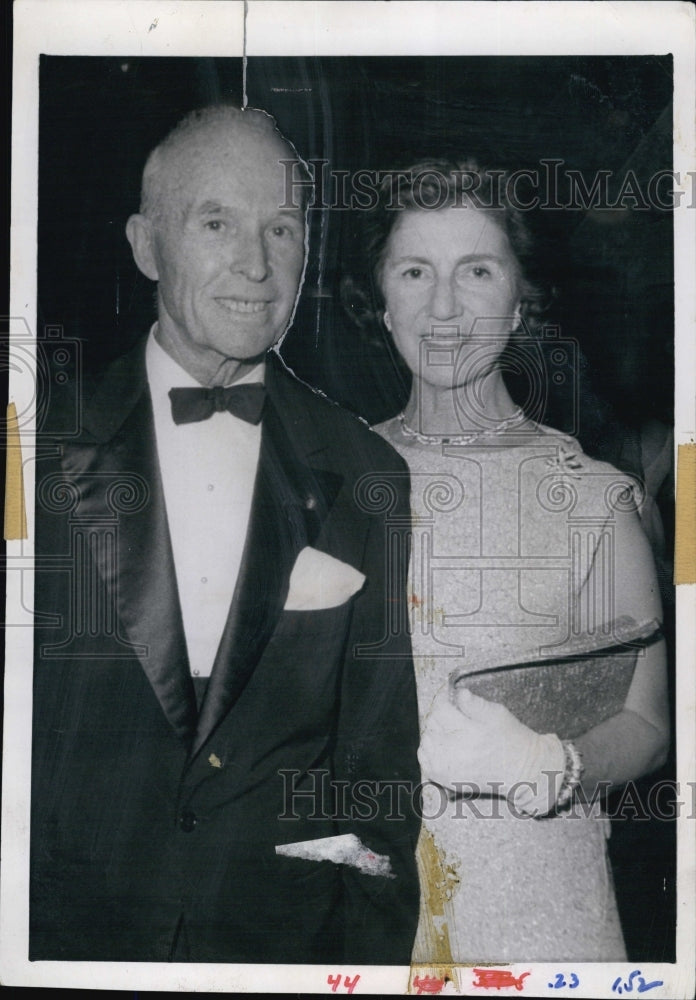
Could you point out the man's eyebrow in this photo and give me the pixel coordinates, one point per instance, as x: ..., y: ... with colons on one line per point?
x: 210, y: 207
x: 297, y: 213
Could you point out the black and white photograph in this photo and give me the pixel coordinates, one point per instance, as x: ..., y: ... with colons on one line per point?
x: 345, y: 646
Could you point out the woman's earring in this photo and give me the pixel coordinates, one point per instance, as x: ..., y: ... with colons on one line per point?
x: 387, y: 320
x: 517, y: 319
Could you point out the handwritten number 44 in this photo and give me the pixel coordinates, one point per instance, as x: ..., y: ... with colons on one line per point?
x: 562, y: 982
x: 335, y: 981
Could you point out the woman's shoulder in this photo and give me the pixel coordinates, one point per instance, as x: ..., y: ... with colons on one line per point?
x: 572, y: 451
x: 595, y: 481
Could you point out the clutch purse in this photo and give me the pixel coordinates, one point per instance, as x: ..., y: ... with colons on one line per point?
x: 569, y: 690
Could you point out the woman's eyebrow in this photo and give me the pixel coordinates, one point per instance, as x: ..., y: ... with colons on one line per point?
x: 492, y: 257
x: 413, y: 258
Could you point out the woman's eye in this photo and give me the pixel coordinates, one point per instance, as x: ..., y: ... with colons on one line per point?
x: 414, y: 272
x: 479, y: 271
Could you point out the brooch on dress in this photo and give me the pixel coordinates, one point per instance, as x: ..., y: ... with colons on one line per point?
x: 565, y: 463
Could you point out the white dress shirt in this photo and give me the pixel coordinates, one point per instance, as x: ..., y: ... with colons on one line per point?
x: 208, y: 470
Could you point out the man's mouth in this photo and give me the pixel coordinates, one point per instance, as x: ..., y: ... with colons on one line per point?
x: 246, y: 306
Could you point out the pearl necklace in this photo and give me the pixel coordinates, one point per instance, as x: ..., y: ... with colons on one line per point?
x: 499, y: 428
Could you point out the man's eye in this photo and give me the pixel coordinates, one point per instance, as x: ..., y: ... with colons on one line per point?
x: 282, y: 232
x: 214, y: 225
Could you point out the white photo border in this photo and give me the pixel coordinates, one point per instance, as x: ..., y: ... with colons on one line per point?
x: 288, y: 28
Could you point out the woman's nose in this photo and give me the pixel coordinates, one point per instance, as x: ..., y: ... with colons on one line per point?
x: 444, y: 304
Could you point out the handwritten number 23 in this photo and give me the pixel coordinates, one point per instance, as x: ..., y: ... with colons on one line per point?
x: 561, y: 982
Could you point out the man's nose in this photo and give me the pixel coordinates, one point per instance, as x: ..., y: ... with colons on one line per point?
x: 445, y: 303
x: 251, y: 257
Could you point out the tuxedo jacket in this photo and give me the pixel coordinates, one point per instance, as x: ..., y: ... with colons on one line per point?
x: 155, y: 823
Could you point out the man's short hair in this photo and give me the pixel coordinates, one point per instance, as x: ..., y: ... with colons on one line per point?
x: 183, y: 137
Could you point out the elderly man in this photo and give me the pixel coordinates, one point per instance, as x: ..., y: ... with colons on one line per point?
x: 224, y: 709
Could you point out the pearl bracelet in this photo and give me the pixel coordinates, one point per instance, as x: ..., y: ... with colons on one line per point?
x: 572, y: 776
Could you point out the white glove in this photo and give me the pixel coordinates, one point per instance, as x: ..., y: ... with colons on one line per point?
x: 469, y: 741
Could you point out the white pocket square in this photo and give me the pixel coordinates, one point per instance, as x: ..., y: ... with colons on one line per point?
x: 320, y: 581
x: 345, y: 849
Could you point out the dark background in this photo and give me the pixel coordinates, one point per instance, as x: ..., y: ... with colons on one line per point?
x: 99, y: 117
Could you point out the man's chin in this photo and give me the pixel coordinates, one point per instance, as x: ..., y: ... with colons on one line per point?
x: 244, y: 346
x: 237, y: 360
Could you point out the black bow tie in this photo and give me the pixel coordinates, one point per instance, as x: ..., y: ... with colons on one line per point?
x: 243, y: 401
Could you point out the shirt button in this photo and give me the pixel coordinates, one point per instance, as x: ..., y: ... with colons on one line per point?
x: 188, y: 820
x: 196, y: 673
x: 204, y: 579
x: 210, y: 487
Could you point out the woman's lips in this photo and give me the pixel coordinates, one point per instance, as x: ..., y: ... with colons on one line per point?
x: 446, y: 331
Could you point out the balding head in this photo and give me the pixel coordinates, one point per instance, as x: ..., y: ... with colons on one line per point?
x: 189, y: 145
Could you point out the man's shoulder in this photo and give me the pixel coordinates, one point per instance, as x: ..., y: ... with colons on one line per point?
x: 326, y: 425
x: 92, y: 401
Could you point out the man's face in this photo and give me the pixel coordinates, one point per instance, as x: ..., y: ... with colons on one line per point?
x: 228, y: 258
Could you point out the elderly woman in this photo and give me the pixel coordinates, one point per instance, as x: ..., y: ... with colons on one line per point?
x: 524, y: 549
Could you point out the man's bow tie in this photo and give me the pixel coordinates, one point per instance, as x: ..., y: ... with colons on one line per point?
x: 243, y: 401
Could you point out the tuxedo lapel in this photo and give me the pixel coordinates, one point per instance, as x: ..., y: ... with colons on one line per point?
x: 140, y: 572
x: 291, y: 502
x: 292, y: 498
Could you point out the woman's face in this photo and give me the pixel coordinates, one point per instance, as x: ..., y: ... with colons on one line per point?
x: 451, y: 285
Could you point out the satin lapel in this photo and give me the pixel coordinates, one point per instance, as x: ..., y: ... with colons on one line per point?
x: 291, y: 501
x: 119, y: 481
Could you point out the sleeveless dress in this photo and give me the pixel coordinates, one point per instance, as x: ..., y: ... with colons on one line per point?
x: 503, y: 541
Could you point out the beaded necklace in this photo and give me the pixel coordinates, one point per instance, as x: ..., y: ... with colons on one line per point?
x: 469, y: 438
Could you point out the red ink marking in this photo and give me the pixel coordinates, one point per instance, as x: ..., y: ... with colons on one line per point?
x: 428, y: 984
x: 416, y: 602
x: 335, y: 981
x: 498, y: 979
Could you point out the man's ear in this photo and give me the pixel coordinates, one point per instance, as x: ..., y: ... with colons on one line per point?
x: 141, y: 238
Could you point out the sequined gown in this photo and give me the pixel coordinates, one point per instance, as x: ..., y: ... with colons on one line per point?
x: 503, y: 540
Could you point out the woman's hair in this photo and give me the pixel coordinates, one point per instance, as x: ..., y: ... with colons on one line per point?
x: 435, y: 184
